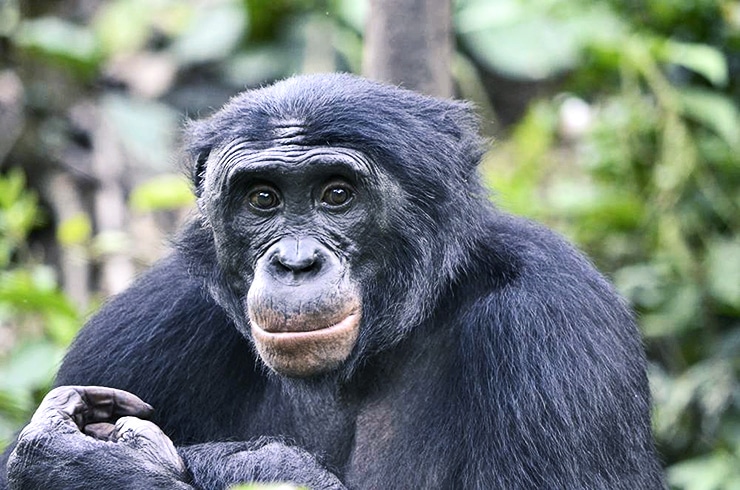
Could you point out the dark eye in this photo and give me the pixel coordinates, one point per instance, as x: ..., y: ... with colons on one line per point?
x: 264, y: 199
x: 337, y: 195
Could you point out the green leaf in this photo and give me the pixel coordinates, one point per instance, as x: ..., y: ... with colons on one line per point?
x: 122, y: 26
x: 55, y: 37
x: 533, y: 43
x: 10, y: 16
x: 353, y: 13
x: 723, y: 271
x: 716, y: 112
x: 533, y: 49
x: 642, y: 284
x: 110, y: 242
x: 594, y: 204
x: 676, y: 315
x: 75, y: 230
x: 61, y: 328
x: 34, y: 290
x: 147, y: 128
x: 483, y: 15
x: 12, y: 406
x: 213, y: 34
x: 715, y: 471
x: 162, y: 193
x: 703, y: 59
x: 12, y: 186
x: 19, y: 211
x: 31, y: 366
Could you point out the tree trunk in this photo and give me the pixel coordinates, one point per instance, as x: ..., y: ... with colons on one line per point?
x: 409, y: 43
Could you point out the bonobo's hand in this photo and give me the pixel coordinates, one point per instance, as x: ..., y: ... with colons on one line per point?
x: 90, y: 437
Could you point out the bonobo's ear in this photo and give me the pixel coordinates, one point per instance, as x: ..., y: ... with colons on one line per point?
x: 198, y: 172
x: 471, y: 146
x: 197, y: 145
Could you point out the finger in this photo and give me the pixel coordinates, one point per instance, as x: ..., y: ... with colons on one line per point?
x: 60, y: 406
x: 147, y: 438
x: 82, y: 405
x: 107, y: 404
x: 102, y: 431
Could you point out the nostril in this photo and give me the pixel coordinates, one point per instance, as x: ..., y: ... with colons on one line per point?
x: 281, y: 268
x: 287, y: 264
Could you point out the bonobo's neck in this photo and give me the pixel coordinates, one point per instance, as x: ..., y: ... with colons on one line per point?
x: 323, y: 418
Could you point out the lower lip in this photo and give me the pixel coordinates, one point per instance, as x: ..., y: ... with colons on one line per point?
x: 347, y: 324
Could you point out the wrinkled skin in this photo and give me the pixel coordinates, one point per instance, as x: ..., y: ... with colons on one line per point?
x: 73, y: 421
x: 347, y: 310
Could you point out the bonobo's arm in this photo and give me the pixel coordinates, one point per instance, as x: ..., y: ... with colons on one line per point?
x: 91, y: 437
x: 218, y: 465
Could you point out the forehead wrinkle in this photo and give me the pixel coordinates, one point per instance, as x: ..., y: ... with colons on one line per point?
x: 239, y: 156
x: 223, y: 163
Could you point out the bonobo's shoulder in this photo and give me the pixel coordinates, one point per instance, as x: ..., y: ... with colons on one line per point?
x: 536, y: 254
x: 166, y: 294
x: 524, y: 268
x: 524, y: 238
x: 166, y: 280
x: 153, y: 319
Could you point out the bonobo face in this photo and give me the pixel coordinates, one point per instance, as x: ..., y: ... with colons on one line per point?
x: 286, y: 221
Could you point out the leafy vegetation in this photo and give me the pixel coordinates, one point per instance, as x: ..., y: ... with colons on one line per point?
x: 629, y: 143
x: 30, y: 302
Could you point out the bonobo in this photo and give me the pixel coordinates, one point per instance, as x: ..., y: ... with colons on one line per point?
x: 348, y: 310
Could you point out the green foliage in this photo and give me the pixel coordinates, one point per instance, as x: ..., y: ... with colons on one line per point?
x: 76, y: 230
x: 161, y: 193
x: 126, y: 26
x: 533, y: 40
x: 717, y: 471
x: 59, y: 40
x: 699, y: 58
x: 201, y: 32
x: 18, y: 215
x: 41, y: 318
x: 213, y: 35
x: 31, y: 308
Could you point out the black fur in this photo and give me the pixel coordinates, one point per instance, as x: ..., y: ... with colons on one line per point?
x: 491, y: 353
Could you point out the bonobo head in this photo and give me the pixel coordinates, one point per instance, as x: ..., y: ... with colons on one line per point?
x: 334, y: 212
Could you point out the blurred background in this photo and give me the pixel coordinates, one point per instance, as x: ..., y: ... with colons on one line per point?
x: 615, y: 122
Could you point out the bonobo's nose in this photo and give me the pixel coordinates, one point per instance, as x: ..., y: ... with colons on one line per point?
x: 296, y: 258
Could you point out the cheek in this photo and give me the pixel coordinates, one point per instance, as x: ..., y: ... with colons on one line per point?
x: 239, y: 244
x: 353, y: 234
